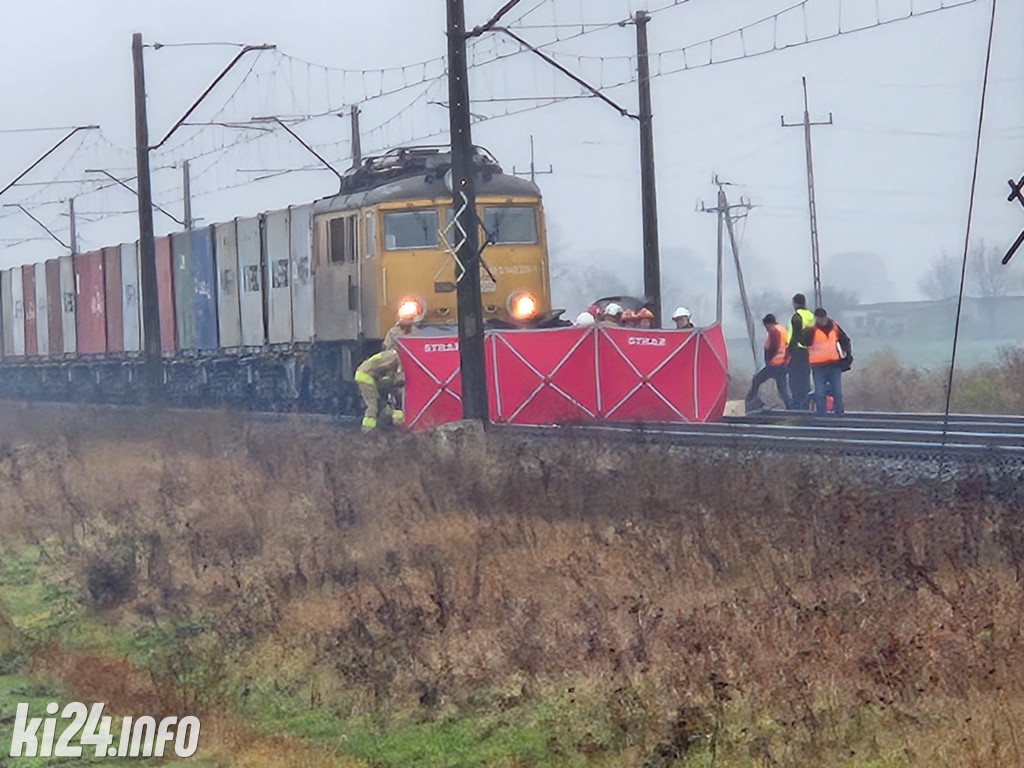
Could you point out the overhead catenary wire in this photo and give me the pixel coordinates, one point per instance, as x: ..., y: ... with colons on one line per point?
x: 284, y: 79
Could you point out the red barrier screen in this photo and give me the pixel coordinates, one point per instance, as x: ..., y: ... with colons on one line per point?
x: 568, y: 375
x: 432, y: 384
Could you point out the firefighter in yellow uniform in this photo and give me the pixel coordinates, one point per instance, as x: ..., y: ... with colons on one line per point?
x: 377, y: 374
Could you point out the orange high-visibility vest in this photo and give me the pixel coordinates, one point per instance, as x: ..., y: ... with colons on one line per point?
x: 824, y: 346
x: 781, y: 356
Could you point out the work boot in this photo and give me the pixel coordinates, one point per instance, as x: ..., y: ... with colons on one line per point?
x: 754, y: 405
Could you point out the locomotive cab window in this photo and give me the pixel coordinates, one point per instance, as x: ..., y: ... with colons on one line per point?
x: 404, y: 230
x: 510, y: 225
x: 342, y: 237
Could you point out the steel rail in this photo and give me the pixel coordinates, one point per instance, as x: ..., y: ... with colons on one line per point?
x: 988, y: 446
x: 781, y: 442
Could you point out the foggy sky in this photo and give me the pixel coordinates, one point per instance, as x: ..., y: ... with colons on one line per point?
x: 892, y: 173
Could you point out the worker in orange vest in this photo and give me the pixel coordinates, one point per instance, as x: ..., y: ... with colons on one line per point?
x: 829, y: 354
x: 776, y: 363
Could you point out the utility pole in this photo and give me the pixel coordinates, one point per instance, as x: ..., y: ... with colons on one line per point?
x: 147, y: 243
x: 466, y: 246
x: 72, y: 227
x: 153, y: 372
x: 725, y: 222
x: 186, y: 186
x: 812, y: 205
x: 723, y: 208
x: 748, y: 316
x: 357, y: 141
x: 648, y: 188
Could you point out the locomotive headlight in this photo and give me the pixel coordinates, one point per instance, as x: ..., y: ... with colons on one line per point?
x: 522, y: 306
x: 411, y: 308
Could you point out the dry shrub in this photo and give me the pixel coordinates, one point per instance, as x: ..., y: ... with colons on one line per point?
x: 781, y: 609
x: 883, y: 383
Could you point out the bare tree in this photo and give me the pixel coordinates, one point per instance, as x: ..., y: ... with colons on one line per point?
x: 986, y: 279
x: 942, y: 280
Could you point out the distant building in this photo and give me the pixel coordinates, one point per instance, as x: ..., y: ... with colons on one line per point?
x: 998, y: 318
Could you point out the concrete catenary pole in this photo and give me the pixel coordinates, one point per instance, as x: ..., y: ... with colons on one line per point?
x: 648, y: 188
x: 812, y: 204
x: 466, y: 234
x: 147, y: 245
x: 186, y: 187
x: 73, y: 228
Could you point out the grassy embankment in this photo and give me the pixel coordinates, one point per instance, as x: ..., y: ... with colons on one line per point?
x: 429, y: 602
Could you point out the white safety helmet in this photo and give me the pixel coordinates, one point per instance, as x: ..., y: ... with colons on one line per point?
x: 681, y: 312
x: 612, y: 310
x: 584, y: 319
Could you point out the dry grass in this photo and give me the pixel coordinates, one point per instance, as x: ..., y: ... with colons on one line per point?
x: 882, y: 383
x: 756, y: 611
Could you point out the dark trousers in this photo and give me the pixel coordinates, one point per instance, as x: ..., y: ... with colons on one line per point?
x: 828, y: 380
x: 776, y: 372
x: 799, y: 379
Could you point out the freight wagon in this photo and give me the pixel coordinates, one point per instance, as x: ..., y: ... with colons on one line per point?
x: 275, y: 311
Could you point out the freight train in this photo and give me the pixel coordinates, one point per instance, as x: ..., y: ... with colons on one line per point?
x: 276, y: 311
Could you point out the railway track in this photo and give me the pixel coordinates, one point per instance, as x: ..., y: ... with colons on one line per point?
x: 993, y: 437
x: 985, y: 437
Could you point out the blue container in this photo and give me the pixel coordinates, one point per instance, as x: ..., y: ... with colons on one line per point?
x: 203, y: 290
x: 181, y: 265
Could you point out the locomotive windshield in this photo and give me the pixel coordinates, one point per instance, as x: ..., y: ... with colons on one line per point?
x: 510, y: 225
x: 410, y: 229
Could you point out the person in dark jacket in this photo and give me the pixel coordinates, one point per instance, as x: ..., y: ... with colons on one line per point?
x: 776, y: 361
x: 799, y: 372
x: 829, y: 354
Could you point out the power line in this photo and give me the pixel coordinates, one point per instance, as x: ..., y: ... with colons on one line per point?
x: 744, y: 46
x: 970, y: 217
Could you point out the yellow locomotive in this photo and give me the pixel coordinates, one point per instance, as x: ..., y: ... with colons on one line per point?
x: 389, y: 232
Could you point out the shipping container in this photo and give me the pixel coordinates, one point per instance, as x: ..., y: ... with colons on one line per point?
x: 131, y: 305
x: 165, y: 292
x: 10, y: 303
x: 90, y: 303
x: 181, y: 259
x: 278, y: 277
x: 54, y: 320
x: 229, y: 324
x: 42, y: 311
x: 6, y: 341
x: 112, y: 293
x: 18, y: 311
x: 28, y: 283
x: 250, y: 283
x: 302, y: 278
x: 203, y: 285
x: 68, y: 302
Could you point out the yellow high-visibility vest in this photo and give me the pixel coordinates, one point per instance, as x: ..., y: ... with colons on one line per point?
x: 807, y: 319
